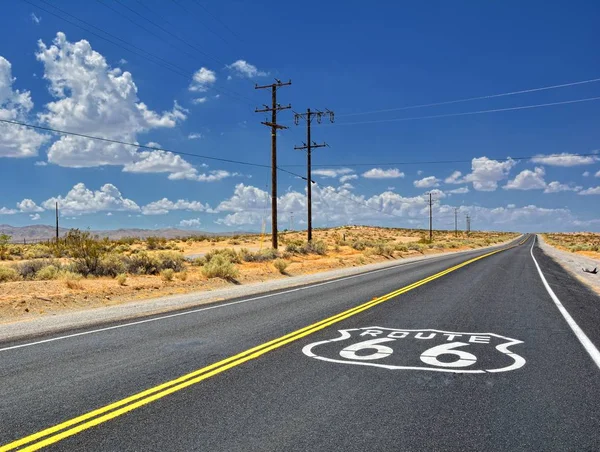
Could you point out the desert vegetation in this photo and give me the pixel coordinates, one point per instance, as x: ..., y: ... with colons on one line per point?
x: 585, y: 243
x: 87, y: 270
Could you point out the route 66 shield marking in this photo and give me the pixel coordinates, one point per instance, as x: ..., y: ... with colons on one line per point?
x: 422, y: 349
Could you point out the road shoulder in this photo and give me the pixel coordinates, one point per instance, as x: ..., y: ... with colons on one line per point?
x: 573, y: 264
x: 63, y: 321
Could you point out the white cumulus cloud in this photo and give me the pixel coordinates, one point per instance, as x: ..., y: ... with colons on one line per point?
x: 15, y: 105
x: 379, y: 173
x: 28, y: 206
x: 202, y: 80
x: 565, y: 159
x: 459, y: 191
x: 244, y: 69
x: 193, y: 223
x: 590, y: 191
x: 331, y: 172
x: 93, y: 98
x: 527, y: 180
x: 164, y: 206
x: 80, y: 200
x: 35, y: 216
x: 486, y: 173
x: 555, y: 187
x: 427, y: 182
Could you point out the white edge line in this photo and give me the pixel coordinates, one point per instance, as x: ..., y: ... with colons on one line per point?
x: 194, y: 311
x: 585, y: 341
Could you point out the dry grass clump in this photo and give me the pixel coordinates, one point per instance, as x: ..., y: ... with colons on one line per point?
x: 220, y: 267
x: 8, y: 274
x: 280, y: 265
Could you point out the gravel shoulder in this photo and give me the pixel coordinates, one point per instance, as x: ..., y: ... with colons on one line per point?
x: 63, y: 321
x: 574, y: 263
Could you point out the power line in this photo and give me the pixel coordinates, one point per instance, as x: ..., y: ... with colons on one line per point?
x: 165, y: 64
x: 469, y: 99
x: 206, y: 26
x: 125, y: 143
x: 432, y: 162
x: 197, y: 49
x: 142, y: 146
x: 468, y: 113
x: 218, y: 20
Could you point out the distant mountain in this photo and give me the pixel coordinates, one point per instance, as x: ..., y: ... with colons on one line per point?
x: 45, y: 232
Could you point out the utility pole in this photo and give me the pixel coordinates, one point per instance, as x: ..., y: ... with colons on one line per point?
x: 456, y: 221
x: 57, y: 224
x: 430, y: 218
x: 309, y: 146
x: 275, y: 107
x: 468, y: 227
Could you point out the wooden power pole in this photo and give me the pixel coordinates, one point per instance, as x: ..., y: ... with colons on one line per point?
x: 309, y: 146
x: 57, y: 224
x: 456, y: 221
x: 274, y: 108
x: 430, y: 218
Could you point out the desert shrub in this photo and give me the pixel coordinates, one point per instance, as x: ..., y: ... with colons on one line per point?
x: 228, y: 253
x: 292, y: 248
x: 4, y: 240
x: 359, y: 245
x: 167, y: 274
x: 111, y: 265
x: 145, y: 264
x: 316, y: 247
x: 260, y: 256
x: 170, y: 260
x: 121, y: 249
x: 47, y: 273
x: 126, y: 241
x: 8, y: 274
x: 121, y: 279
x: 28, y: 269
x: 86, y: 250
x: 182, y: 276
x: 156, y: 243
x: 71, y: 279
x: 220, y: 267
x: 280, y: 265
x: 142, y: 264
x: 198, y: 261
x: 401, y: 247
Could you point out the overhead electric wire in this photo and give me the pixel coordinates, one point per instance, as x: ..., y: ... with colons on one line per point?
x: 165, y: 64
x: 470, y: 99
x: 142, y: 146
x: 240, y: 162
x: 206, y: 26
x: 435, y: 162
x: 468, y: 113
x: 197, y: 49
x: 218, y: 20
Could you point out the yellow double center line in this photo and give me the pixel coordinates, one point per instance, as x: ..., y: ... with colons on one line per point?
x: 78, y: 424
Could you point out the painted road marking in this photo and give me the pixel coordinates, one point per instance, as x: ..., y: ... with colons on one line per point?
x: 81, y: 423
x: 405, y: 349
x: 585, y: 341
x: 195, y: 311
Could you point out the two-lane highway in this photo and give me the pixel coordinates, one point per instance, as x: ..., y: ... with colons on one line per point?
x: 461, y: 352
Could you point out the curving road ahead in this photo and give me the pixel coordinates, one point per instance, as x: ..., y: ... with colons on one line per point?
x: 479, y: 351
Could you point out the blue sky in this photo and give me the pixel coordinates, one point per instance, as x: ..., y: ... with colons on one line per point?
x: 351, y: 57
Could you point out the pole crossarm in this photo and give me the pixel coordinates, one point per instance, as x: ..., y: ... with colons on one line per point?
x: 273, y: 109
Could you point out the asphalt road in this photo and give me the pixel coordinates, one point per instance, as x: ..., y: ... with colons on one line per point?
x: 476, y: 358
